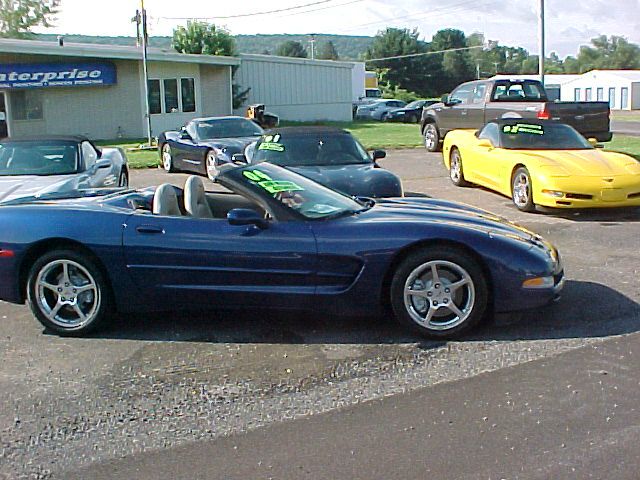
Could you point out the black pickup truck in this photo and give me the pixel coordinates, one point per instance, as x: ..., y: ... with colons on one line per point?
x: 473, y: 104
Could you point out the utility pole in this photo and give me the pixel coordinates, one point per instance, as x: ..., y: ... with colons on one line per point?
x: 477, y: 70
x: 145, y: 71
x: 541, y: 40
x: 312, y: 42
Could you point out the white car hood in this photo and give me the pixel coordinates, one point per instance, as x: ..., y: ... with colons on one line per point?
x: 34, y: 185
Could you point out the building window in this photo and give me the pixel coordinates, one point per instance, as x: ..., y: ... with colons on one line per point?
x: 600, y: 94
x: 576, y: 94
x: 624, y: 97
x: 612, y: 97
x: 154, y: 96
x: 587, y: 94
x: 26, y: 105
x: 170, y: 95
x: 188, y: 91
x: 165, y: 97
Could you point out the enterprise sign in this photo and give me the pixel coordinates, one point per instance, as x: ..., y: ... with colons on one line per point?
x: 34, y: 75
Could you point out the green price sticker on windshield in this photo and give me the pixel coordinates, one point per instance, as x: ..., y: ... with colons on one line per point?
x: 271, y: 143
x: 524, y: 128
x: 272, y: 186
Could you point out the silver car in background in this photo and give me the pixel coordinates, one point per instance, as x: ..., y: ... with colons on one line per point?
x: 37, y: 166
x: 379, y: 109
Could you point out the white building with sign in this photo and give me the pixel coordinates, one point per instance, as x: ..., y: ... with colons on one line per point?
x: 98, y: 90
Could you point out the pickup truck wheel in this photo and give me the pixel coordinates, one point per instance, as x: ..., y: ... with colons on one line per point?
x: 456, y: 174
x: 431, y: 138
x: 521, y: 190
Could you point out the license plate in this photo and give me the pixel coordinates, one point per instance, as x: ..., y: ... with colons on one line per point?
x: 612, y: 195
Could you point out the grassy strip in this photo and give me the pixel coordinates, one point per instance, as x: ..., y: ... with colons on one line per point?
x: 371, y: 134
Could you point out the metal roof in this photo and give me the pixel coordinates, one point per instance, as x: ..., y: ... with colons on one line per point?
x: 116, y: 52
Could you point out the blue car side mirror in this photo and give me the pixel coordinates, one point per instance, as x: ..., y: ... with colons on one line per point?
x: 246, y: 216
x: 379, y: 154
x: 104, y: 163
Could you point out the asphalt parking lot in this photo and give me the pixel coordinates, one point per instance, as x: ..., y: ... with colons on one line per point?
x: 155, y: 382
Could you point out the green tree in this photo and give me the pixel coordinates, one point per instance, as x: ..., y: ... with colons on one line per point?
x: 408, y: 73
x: 457, y: 66
x: 611, y: 53
x: 203, y: 38
x: 291, y: 48
x: 18, y: 17
x: 327, y: 51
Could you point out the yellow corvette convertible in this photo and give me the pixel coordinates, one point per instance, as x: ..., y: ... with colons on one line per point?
x: 538, y: 162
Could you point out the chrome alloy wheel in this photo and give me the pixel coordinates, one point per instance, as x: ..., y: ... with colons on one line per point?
x: 67, y: 294
x: 455, y: 170
x: 521, y: 190
x: 212, y: 168
x: 431, y: 137
x: 167, y: 160
x: 439, y: 295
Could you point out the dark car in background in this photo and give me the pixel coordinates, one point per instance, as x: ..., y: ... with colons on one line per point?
x: 35, y: 166
x: 204, y: 144
x: 473, y: 104
x: 411, y: 113
x: 330, y: 156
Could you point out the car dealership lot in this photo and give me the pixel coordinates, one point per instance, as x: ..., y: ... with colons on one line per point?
x: 156, y: 381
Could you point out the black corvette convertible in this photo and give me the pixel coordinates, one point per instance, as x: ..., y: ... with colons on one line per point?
x: 204, y: 144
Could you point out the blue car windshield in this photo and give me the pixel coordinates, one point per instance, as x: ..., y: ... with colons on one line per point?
x: 294, y: 191
x: 309, y: 149
x: 547, y: 136
x: 38, y: 158
x: 227, y: 128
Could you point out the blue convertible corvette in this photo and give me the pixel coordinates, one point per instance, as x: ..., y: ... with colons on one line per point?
x: 277, y: 240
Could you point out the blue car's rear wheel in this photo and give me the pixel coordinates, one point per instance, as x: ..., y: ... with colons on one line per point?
x: 440, y: 292
x: 67, y: 293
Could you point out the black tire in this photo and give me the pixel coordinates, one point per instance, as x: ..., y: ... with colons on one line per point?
x: 522, y: 190
x: 431, y: 137
x: 452, y: 266
x: 84, y: 290
x: 413, y: 119
x: 123, y: 178
x: 166, y: 159
x: 384, y: 117
x: 456, y: 173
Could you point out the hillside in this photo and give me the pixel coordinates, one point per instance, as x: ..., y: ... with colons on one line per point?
x: 349, y: 47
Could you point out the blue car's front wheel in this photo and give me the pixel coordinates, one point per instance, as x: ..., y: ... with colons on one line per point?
x: 439, y: 291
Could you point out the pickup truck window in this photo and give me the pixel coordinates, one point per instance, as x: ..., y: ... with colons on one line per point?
x: 463, y: 94
x: 478, y: 93
x: 518, y: 92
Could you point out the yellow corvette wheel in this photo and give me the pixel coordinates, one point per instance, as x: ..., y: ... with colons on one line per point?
x: 456, y: 173
x: 521, y: 191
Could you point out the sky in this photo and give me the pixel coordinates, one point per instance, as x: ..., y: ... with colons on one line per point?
x: 569, y: 23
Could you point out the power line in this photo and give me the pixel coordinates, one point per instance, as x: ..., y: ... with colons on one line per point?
x: 268, y: 12
x: 423, y: 53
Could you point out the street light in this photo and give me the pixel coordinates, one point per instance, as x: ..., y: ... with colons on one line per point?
x: 541, y: 41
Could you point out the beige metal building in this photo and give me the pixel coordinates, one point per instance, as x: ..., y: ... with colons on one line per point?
x: 98, y: 90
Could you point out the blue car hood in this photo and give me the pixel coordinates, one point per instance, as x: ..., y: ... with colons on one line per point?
x: 229, y: 145
x: 412, y: 209
x: 360, y: 180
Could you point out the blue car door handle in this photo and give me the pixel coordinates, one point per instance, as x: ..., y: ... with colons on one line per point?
x: 149, y: 229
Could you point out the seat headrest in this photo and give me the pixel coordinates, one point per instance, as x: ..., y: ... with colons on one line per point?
x: 165, y: 201
x: 195, y: 198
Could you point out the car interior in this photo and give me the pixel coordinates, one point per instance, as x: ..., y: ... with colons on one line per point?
x: 193, y: 201
x: 50, y: 160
